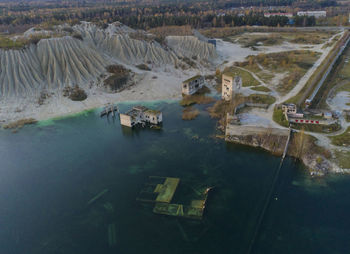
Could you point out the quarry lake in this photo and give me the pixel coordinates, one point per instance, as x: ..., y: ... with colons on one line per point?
x: 51, y: 172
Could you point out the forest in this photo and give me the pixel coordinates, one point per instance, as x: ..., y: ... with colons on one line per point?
x: 151, y: 14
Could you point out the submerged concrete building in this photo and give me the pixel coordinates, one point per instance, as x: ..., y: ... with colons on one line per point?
x: 141, y: 115
x: 192, y: 85
x: 231, y: 83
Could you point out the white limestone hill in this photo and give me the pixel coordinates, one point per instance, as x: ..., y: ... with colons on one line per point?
x: 52, y: 63
x: 116, y: 42
x: 57, y: 62
x: 190, y: 46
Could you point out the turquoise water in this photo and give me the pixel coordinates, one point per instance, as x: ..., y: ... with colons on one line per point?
x: 50, y: 171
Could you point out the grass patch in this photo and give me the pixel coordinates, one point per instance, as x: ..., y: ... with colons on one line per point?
x: 247, y: 78
x: 189, y: 113
x: 286, y: 34
x: 293, y: 63
x: 250, y: 41
x: 316, y: 127
x: 316, y: 76
x: 342, y: 159
x: 261, y: 89
x: 279, y: 117
x: 7, y: 43
x: 189, y: 100
x: 342, y: 139
x: 261, y: 98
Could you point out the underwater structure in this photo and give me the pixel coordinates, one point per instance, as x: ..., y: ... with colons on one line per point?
x: 161, y: 190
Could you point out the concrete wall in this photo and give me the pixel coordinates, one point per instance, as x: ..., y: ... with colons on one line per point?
x: 227, y: 87
x: 153, y: 118
x: 189, y: 88
x: 125, y: 120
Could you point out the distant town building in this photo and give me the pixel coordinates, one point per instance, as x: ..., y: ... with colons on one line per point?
x: 141, y: 115
x: 316, y: 14
x: 192, y: 85
x: 284, y: 14
x: 231, y: 83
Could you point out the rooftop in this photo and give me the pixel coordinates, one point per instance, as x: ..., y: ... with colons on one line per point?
x: 153, y: 111
x: 230, y: 73
x: 193, y: 78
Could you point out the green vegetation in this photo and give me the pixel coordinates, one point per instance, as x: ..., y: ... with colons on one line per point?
x: 272, y: 36
x: 292, y: 64
x: 342, y: 158
x: 20, y: 43
x: 189, y: 100
x: 247, y: 78
x: 279, y: 117
x: 342, y: 139
x: 20, y: 123
x: 189, y: 113
x: 316, y: 76
x: 261, y: 98
x: 251, y: 41
x: 7, y: 43
x: 261, y: 89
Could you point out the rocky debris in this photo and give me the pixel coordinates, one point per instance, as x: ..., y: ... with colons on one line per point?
x: 20, y: 123
x: 119, y: 80
x: 43, y: 96
x: 270, y: 142
x: 301, y: 147
x: 143, y: 67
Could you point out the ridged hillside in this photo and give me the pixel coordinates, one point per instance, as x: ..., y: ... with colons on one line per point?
x: 189, y: 46
x: 81, y: 56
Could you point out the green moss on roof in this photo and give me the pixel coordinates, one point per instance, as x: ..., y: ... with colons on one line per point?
x: 153, y: 111
x: 193, y: 78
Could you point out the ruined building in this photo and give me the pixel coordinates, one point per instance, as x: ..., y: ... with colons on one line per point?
x: 192, y: 85
x: 231, y: 83
x: 140, y: 115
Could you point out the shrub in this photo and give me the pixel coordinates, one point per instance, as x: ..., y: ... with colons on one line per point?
x: 77, y: 36
x: 143, y: 67
x: 77, y: 94
x: 189, y: 113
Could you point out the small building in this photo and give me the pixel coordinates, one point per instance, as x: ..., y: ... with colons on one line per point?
x: 192, y: 85
x: 328, y: 115
x: 141, y: 115
x: 153, y: 116
x: 316, y: 14
x: 289, y: 108
x: 231, y: 83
